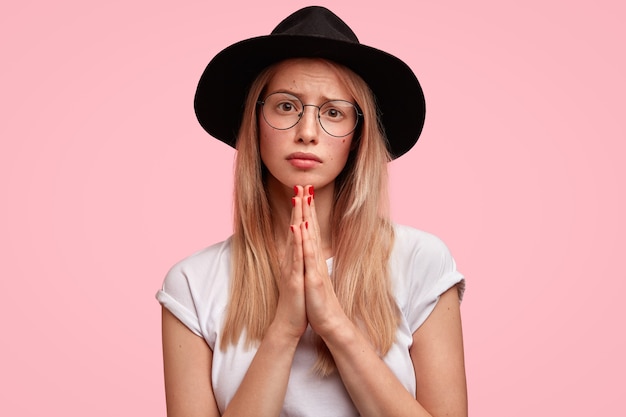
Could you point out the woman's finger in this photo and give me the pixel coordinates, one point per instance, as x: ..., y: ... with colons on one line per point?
x: 311, y: 222
x: 313, y: 215
x: 296, y: 203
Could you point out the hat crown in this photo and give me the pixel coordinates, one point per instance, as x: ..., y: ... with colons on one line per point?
x: 316, y: 21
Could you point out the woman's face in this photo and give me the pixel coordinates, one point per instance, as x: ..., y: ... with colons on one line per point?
x: 304, y: 154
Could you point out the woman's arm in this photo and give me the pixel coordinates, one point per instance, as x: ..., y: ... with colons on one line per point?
x: 187, y: 362
x: 262, y: 391
x: 437, y: 355
x: 187, y: 366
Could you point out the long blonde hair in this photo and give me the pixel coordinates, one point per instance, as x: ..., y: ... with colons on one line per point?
x: 361, y: 241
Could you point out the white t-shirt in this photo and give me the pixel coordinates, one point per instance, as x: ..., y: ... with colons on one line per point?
x: 196, y: 291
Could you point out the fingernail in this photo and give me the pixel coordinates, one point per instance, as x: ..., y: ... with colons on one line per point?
x: 295, y: 189
x: 309, y: 200
x: 292, y: 231
x: 293, y: 201
x: 311, y: 191
x: 306, y: 224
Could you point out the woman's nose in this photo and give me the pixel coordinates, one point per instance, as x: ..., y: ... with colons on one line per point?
x: 308, y: 126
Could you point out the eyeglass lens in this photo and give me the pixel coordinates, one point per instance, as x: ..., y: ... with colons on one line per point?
x: 283, y: 111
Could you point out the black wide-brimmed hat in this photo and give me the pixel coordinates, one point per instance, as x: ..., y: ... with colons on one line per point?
x: 313, y: 32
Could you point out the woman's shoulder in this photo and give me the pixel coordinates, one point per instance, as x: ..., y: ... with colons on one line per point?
x: 195, y: 289
x: 422, y: 268
x: 422, y: 259
x: 201, y: 269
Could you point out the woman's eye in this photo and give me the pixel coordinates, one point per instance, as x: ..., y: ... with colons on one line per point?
x: 333, y: 113
x: 285, y: 107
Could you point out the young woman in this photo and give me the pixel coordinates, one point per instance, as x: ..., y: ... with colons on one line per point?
x: 318, y: 305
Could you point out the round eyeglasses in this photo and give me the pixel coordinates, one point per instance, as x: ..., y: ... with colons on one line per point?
x: 283, y: 111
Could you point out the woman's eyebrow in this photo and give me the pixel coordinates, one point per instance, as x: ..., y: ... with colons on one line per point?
x: 322, y: 99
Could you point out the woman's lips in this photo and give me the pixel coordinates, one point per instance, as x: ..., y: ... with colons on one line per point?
x: 304, y: 160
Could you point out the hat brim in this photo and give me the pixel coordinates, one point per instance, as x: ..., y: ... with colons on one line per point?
x: 225, y: 82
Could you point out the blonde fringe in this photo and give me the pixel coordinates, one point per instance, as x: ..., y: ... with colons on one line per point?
x: 360, y: 274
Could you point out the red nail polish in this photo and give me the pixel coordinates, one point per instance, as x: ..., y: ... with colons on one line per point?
x: 293, y: 201
x: 295, y: 189
x: 309, y: 200
x: 291, y: 227
x: 311, y: 191
x: 306, y: 224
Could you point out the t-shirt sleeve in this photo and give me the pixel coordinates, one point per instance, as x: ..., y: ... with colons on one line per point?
x: 431, y: 271
x: 176, y: 296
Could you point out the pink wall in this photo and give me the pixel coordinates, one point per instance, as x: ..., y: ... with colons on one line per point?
x: 106, y: 180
